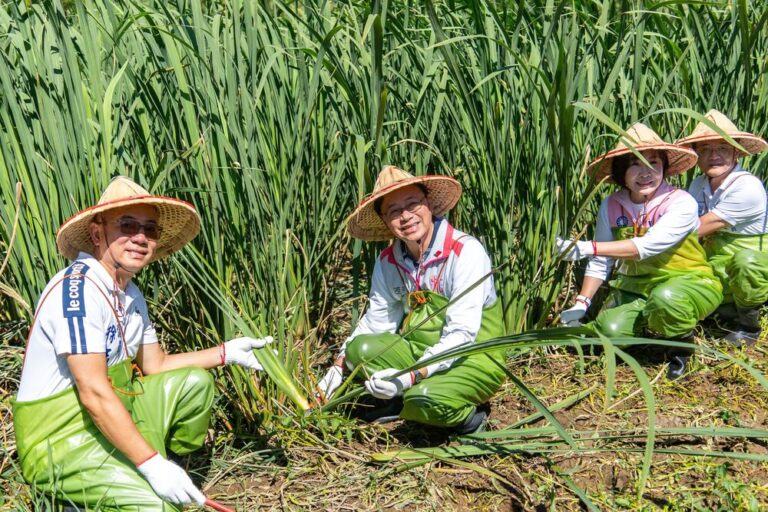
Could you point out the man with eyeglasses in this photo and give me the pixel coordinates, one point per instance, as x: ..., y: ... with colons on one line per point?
x: 431, y: 291
x: 88, y: 430
x: 733, y: 221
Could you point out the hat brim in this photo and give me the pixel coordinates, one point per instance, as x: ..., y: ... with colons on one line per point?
x: 364, y: 223
x: 751, y: 143
x: 178, y: 220
x: 680, y: 159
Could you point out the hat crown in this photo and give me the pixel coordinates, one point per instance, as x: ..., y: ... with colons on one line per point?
x: 718, y: 119
x: 121, y: 188
x: 389, y: 176
x: 639, y: 134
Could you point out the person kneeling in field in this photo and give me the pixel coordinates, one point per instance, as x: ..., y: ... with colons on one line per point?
x: 664, y: 284
x: 428, y: 264
x: 88, y: 431
x: 734, y: 221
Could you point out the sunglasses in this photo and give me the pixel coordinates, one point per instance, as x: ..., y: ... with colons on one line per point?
x: 131, y: 227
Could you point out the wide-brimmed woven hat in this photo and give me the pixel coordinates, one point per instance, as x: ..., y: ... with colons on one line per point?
x: 364, y: 223
x: 702, y: 133
x: 643, y: 138
x: 177, y: 219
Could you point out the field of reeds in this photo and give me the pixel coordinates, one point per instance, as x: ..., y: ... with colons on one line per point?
x: 273, y: 119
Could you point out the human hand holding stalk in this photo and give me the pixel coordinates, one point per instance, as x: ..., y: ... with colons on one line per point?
x: 255, y: 353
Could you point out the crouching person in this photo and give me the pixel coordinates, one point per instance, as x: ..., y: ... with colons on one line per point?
x: 89, y: 430
x: 429, y: 264
x: 663, y: 285
x: 734, y: 221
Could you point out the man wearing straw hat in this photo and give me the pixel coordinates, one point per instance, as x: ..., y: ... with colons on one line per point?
x: 663, y: 285
x: 88, y: 431
x: 431, y: 291
x: 734, y: 221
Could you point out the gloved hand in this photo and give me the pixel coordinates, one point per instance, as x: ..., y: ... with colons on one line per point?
x: 330, y: 382
x: 169, y: 481
x: 574, y: 251
x: 240, y: 351
x: 573, y: 315
x: 379, y: 387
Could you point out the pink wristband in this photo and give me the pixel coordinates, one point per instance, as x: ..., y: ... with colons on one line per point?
x: 594, y: 248
x: 223, y: 354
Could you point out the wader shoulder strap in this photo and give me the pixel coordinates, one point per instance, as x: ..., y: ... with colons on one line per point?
x: 120, y: 328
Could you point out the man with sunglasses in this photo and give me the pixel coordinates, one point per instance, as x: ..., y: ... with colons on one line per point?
x: 89, y: 431
x: 733, y: 221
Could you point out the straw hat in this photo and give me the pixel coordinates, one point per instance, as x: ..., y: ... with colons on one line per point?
x: 365, y: 223
x: 177, y: 219
x: 643, y: 138
x: 752, y: 143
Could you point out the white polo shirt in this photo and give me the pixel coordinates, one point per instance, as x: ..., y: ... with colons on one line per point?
x: 740, y: 201
x: 81, y: 311
x: 453, y: 262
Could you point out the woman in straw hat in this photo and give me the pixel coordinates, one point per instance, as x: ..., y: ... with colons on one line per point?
x: 663, y: 285
x: 87, y: 430
x: 734, y: 221
x: 429, y: 269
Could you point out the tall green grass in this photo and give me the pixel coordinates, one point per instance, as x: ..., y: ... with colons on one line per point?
x: 274, y: 118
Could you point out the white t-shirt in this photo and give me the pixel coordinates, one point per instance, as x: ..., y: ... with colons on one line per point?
x: 395, y: 275
x: 740, y: 201
x: 678, y: 221
x: 77, y: 315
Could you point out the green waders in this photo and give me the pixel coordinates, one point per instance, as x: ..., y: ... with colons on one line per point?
x: 668, y: 293
x: 446, y: 398
x: 62, y: 452
x: 741, y: 264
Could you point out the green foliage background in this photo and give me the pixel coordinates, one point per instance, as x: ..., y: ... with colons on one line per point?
x: 273, y: 118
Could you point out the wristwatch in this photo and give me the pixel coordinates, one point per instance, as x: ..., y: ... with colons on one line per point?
x: 417, y: 376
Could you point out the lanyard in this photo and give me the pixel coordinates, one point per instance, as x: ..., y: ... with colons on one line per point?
x: 645, y: 216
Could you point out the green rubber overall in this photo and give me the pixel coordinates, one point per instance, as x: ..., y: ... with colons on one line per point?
x: 448, y: 397
x: 741, y: 264
x: 667, y: 293
x: 63, y: 453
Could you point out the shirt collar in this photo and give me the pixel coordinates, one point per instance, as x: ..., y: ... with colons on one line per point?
x: 96, y: 269
x: 735, y: 173
x: 100, y: 274
x: 658, y: 196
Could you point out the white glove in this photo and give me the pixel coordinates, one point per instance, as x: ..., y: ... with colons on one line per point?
x: 574, y: 251
x: 240, y: 351
x: 380, y: 387
x: 573, y: 315
x: 169, y: 481
x: 330, y: 382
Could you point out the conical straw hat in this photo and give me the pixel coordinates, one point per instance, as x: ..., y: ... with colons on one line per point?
x: 365, y: 223
x: 643, y: 138
x: 702, y: 133
x: 178, y: 220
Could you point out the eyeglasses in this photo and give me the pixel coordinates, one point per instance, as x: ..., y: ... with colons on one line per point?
x: 131, y: 227
x: 707, y: 149
x: 410, y: 207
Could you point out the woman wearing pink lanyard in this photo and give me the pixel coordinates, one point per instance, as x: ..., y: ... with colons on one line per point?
x: 431, y: 291
x: 663, y: 284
